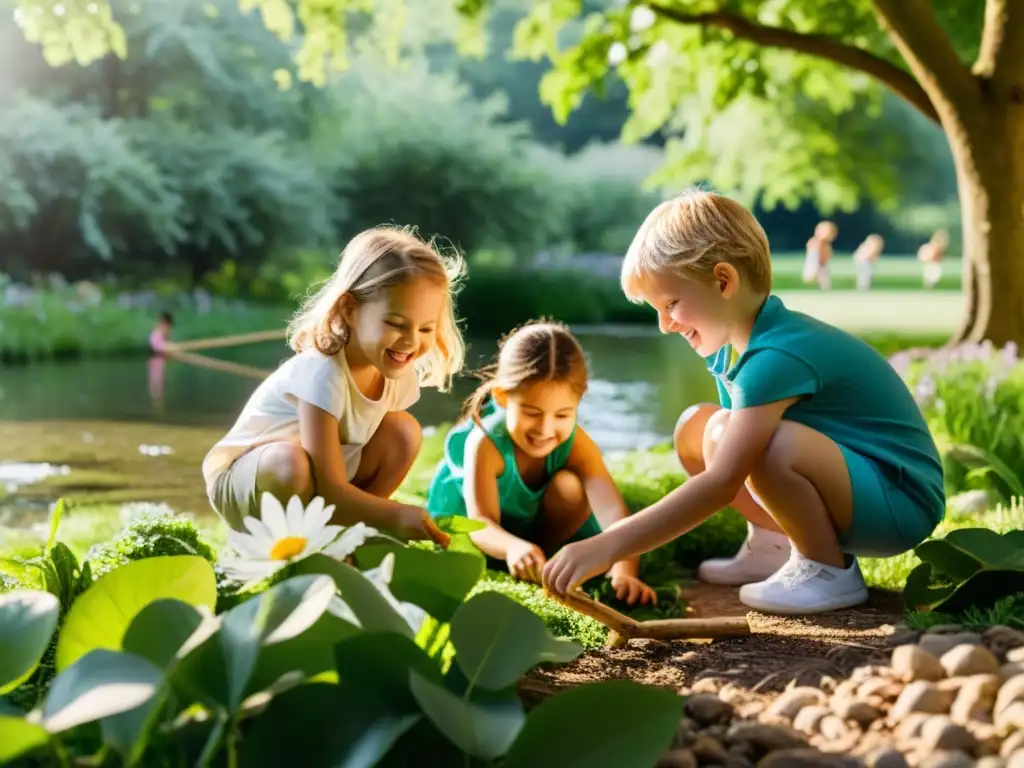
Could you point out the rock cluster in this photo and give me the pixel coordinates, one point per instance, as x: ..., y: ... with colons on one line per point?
x: 947, y: 699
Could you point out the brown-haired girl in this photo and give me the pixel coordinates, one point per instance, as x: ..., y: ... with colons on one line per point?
x: 520, y: 463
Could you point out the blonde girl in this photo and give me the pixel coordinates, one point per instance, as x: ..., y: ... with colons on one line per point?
x: 522, y: 465
x: 332, y: 420
x: 930, y: 254
x: 819, y: 254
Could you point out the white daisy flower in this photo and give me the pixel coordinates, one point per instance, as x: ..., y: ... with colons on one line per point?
x: 280, y: 537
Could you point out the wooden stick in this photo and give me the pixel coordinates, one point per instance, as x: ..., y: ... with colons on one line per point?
x: 225, y: 341
x: 626, y: 628
x: 218, y: 365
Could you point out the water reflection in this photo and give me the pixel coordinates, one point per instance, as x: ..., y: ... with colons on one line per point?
x: 639, y: 386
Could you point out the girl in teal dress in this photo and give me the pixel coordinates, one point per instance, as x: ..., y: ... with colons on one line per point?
x: 520, y: 464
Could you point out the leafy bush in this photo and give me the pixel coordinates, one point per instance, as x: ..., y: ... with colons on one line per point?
x: 166, y: 680
x: 972, y: 396
x: 971, y: 567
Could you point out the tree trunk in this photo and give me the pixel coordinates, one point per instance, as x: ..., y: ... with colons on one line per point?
x: 988, y: 149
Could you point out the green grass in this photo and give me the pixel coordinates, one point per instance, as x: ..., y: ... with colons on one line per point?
x: 894, y: 272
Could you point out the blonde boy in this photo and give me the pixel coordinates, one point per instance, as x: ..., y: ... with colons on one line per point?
x: 816, y: 442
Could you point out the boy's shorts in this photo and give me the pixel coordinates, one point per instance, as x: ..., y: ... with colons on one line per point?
x: 886, y: 521
x: 233, y: 494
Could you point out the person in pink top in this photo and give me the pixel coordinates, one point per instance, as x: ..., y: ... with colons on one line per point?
x: 161, y: 332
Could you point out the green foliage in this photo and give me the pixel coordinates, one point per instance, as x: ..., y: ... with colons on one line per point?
x: 150, y: 533
x: 973, y: 398
x: 1007, y: 612
x: 184, y: 685
x: 29, y: 618
x: 971, y: 567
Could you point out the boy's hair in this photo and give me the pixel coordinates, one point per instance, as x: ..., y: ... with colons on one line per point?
x: 537, y: 351
x: 689, y: 234
x: 374, y: 261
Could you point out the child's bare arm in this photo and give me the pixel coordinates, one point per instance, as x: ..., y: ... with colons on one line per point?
x: 318, y: 432
x: 742, y: 443
x: 483, y: 465
x: 603, y: 494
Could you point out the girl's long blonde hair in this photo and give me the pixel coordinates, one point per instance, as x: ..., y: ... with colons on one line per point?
x: 534, y: 352
x: 374, y: 261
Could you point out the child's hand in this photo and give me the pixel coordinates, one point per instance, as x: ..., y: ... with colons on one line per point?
x: 576, y: 563
x: 416, y: 523
x: 525, y: 561
x: 630, y: 589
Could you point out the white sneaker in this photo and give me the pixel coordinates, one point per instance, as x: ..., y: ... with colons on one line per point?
x: 804, y: 586
x: 761, y: 555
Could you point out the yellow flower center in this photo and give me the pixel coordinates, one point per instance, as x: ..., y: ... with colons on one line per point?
x: 287, y: 548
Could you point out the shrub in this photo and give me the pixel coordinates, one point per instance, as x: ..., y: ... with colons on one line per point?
x: 972, y: 396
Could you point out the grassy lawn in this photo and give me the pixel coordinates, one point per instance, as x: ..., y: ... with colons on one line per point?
x: 896, y: 272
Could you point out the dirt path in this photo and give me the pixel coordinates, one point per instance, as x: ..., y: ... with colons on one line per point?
x: 778, y: 650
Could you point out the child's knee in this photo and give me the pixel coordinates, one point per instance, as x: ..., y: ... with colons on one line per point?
x: 285, y: 470
x: 566, y: 490
x: 404, y: 436
x: 689, y: 432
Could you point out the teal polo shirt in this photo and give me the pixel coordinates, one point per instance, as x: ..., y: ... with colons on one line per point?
x: 848, y: 392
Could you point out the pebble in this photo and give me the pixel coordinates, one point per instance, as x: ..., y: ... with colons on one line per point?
x: 912, y: 662
x: 910, y: 727
x: 937, y: 645
x: 861, y: 712
x: 766, y: 738
x: 887, y: 690
x: 792, y: 701
x: 1016, y: 760
x: 1011, y: 718
x: 1015, y: 654
x: 941, y: 733
x: 833, y: 728
x: 1012, y: 690
x: 1011, y: 669
x: 921, y: 696
x: 1002, y: 640
x: 944, y: 629
x: 708, y: 709
x: 708, y: 750
x: 808, y: 718
x: 976, y: 697
x: 969, y: 659
x: 902, y: 636
x: 804, y: 758
x: 951, y: 759
x: 887, y: 757
x: 990, y: 762
x: 677, y: 758
x: 1014, y: 743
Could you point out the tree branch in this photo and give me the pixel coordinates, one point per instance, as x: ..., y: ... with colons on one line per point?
x: 823, y: 46
x: 923, y: 43
x: 1001, y: 56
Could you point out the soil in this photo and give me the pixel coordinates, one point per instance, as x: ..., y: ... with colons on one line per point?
x: 778, y: 650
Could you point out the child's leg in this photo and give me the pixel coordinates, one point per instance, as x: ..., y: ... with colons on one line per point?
x: 806, y: 484
x: 281, y: 469
x: 766, y: 547
x: 564, y: 510
x: 389, y: 455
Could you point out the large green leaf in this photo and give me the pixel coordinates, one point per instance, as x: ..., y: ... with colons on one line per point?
x: 18, y: 736
x: 283, y: 612
x: 437, y: 582
x: 484, y: 729
x: 163, y: 632
x: 987, y: 546
x: 983, y: 590
x: 27, y: 620
x: 102, y: 614
x: 919, y: 594
x: 370, y: 607
x: 99, y: 684
x: 331, y: 726
x: 379, y: 663
x: 456, y: 524
x: 598, y: 725
x: 947, y: 559
x: 497, y: 641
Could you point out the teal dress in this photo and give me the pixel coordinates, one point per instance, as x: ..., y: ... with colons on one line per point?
x: 851, y: 394
x: 520, y: 504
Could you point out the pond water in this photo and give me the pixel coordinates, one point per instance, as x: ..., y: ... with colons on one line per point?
x: 640, y: 383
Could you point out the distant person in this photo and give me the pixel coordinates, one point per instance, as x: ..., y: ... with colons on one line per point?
x: 521, y: 464
x: 161, y: 333
x: 333, y: 420
x: 819, y: 255
x: 816, y: 439
x: 864, y: 259
x: 930, y: 254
